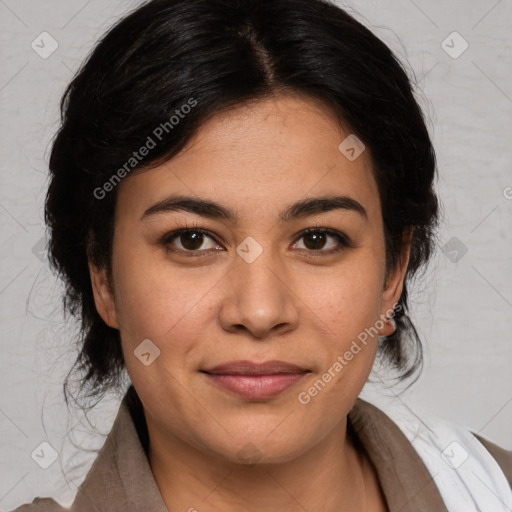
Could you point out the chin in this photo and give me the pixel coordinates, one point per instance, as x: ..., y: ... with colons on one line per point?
x: 259, y: 447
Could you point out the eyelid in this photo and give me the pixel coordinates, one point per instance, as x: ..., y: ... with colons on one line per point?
x: 171, y: 235
x: 344, y: 240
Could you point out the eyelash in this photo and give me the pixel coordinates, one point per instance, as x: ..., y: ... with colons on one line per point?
x: 344, y: 241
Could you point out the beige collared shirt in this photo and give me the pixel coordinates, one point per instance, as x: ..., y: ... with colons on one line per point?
x: 120, y: 479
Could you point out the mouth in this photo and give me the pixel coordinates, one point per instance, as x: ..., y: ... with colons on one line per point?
x: 255, y: 381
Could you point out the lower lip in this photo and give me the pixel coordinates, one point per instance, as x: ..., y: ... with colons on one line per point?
x: 256, y: 386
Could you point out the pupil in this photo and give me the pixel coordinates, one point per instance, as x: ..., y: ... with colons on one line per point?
x: 318, y: 240
x: 191, y: 240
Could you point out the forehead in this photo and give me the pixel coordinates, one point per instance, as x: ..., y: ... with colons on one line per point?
x: 256, y: 157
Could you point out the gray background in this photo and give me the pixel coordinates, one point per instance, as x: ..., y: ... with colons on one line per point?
x: 463, y: 306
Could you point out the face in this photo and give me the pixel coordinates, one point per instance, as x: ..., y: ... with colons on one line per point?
x: 245, y: 282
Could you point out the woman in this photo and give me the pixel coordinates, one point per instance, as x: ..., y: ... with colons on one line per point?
x: 241, y: 191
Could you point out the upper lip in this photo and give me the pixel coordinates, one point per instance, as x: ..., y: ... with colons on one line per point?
x: 253, y: 368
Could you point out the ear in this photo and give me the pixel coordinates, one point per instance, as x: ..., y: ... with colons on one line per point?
x: 103, y: 295
x: 395, y: 278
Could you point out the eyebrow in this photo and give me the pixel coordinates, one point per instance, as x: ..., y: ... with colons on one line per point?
x: 213, y: 210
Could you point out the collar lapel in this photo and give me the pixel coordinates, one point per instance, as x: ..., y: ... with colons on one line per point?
x: 120, y: 478
x: 403, y: 476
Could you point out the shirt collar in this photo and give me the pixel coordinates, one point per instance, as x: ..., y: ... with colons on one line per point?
x: 404, y: 478
x: 121, y: 475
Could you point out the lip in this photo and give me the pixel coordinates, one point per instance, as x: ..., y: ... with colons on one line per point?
x: 245, y: 367
x: 256, y: 381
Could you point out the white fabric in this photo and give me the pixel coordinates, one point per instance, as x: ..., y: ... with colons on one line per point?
x: 467, y: 476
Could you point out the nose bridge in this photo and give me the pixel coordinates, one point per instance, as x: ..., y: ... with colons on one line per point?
x: 259, y: 298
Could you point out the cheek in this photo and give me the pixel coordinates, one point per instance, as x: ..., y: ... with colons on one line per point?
x: 166, y: 307
x: 157, y: 301
x: 345, y: 310
x: 345, y: 300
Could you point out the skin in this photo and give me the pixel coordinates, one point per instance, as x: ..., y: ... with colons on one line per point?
x: 296, y: 302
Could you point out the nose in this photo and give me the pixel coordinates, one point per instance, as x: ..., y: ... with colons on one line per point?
x: 259, y: 298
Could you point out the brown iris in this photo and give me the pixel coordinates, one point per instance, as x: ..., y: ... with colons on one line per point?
x: 191, y: 240
x: 318, y: 240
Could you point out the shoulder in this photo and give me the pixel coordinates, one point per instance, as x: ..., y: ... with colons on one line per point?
x: 501, y: 456
x: 459, y: 460
x: 41, y: 505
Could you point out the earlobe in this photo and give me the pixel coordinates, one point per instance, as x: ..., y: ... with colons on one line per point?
x: 103, y: 295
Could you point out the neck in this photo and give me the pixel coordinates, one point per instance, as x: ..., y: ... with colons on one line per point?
x: 333, y: 476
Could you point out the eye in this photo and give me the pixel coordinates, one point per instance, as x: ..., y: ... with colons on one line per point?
x: 315, y: 240
x: 189, y: 240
